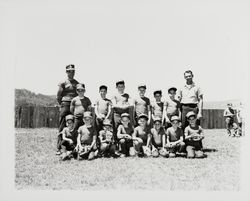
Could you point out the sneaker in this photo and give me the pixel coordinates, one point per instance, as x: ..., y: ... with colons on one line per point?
x: 64, y: 156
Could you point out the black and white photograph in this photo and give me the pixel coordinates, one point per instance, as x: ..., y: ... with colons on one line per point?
x: 121, y: 97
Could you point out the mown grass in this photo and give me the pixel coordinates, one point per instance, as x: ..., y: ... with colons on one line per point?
x: 37, y: 167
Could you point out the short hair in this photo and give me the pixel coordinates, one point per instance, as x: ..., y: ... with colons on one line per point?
x: 189, y: 71
x: 103, y: 87
x: 119, y: 82
x: 158, y: 92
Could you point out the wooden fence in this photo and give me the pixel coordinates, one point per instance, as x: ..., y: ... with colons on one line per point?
x: 36, y: 117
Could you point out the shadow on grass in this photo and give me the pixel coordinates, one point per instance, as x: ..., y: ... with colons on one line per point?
x: 209, y: 150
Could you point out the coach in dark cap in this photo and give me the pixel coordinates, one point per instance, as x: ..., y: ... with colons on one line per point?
x: 66, y: 92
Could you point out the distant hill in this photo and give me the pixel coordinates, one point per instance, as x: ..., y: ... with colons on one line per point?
x: 24, y: 97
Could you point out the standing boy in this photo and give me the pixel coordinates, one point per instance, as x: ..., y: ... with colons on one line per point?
x: 86, y: 140
x: 142, y: 104
x: 157, y: 106
x: 141, y: 138
x: 69, y: 136
x: 107, y: 146
x: 174, y: 135
x: 102, y: 107
x: 79, y: 105
x: 124, y: 135
x: 193, y: 137
x: 229, y: 115
x: 172, y: 107
x: 156, y: 139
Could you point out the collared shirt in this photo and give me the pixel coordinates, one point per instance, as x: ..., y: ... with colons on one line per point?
x: 87, y: 134
x: 69, y: 89
x: 157, y: 108
x: 141, y: 105
x: 189, y: 94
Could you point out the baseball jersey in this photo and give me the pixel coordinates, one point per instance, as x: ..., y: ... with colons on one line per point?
x: 71, y: 134
x: 189, y: 94
x: 189, y: 131
x: 229, y: 112
x: 103, y: 105
x: 106, y: 135
x: 69, y: 89
x: 141, y: 105
x: 80, y: 105
x: 174, y: 135
x: 127, y: 130
x: 157, y: 108
x: 172, y: 107
x: 87, y: 134
x: 142, y: 133
x: 157, y: 135
x: 119, y: 100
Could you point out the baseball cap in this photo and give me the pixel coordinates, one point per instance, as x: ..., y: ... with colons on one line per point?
x: 119, y: 82
x: 87, y: 114
x: 80, y: 86
x: 124, y: 115
x: 69, y: 117
x: 175, y: 118
x: 107, y: 122
x: 142, y: 86
x: 70, y: 67
x: 190, y: 114
x: 172, y: 88
x: 157, y: 92
x: 143, y: 116
x: 157, y: 119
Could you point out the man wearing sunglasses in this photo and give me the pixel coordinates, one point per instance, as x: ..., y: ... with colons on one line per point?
x: 66, y: 92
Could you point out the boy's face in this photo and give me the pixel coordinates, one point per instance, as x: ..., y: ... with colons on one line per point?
x: 188, y: 77
x: 87, y: 121
x: 175, y: 124
x: 142, y: 121
x: 192, y: 120
x: 172, y: 93
x: 70, y: 124
x: 142, y: 91
x: 229, y: 106
x: 70, y: 74
x: 80, y: 92
x: 125, y: 120
x: 120, y: 87
x: 103, y: 92
x: 157, y: 125
x: 158, y: 97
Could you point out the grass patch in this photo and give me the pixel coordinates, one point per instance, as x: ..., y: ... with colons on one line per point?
x: 37, y: 167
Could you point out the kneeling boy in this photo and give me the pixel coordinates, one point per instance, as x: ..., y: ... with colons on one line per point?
x: 69, y: 136
x: 157, y: 133
x: 107, y: 146
x: 174, y: 134
x: 193, y: 137
x: 86, y: 140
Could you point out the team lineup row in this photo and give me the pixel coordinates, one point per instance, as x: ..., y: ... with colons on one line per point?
x: 124, y: 126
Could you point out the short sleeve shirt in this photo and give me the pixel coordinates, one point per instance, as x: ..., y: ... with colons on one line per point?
x: 141, y: 105
x: 157, y: 136
x: 119, y: 100
x: 127, y: 130
x: 228, y: 112
x: 142, y: 133
x: 172, y: 106
x: 174, y: 135
x: 157, y: 108
x: 69, y: 89
x: 80, y: 105
x: 103, y: 105
x: 71, y: 134
x: 189, y: 94
x: 87, y: 134
x: 106, y: 135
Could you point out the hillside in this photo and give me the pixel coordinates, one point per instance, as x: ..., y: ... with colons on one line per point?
x: 25, y: 97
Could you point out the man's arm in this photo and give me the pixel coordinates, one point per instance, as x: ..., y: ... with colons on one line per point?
x: 59, y: 94
x: 109, y: 110
x: 149, y: 113
x: 72, y: 106
x: 93, y: 142
x: 200, y: 106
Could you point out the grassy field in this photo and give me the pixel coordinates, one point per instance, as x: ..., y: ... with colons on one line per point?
x: 37, y: 167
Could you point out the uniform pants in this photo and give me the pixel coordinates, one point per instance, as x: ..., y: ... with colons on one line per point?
x: 125, y: 145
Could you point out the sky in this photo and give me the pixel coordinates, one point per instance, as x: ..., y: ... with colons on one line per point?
x: 151, y: 42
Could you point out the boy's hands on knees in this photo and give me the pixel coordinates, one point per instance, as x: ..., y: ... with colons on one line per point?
x: 128, y: 137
